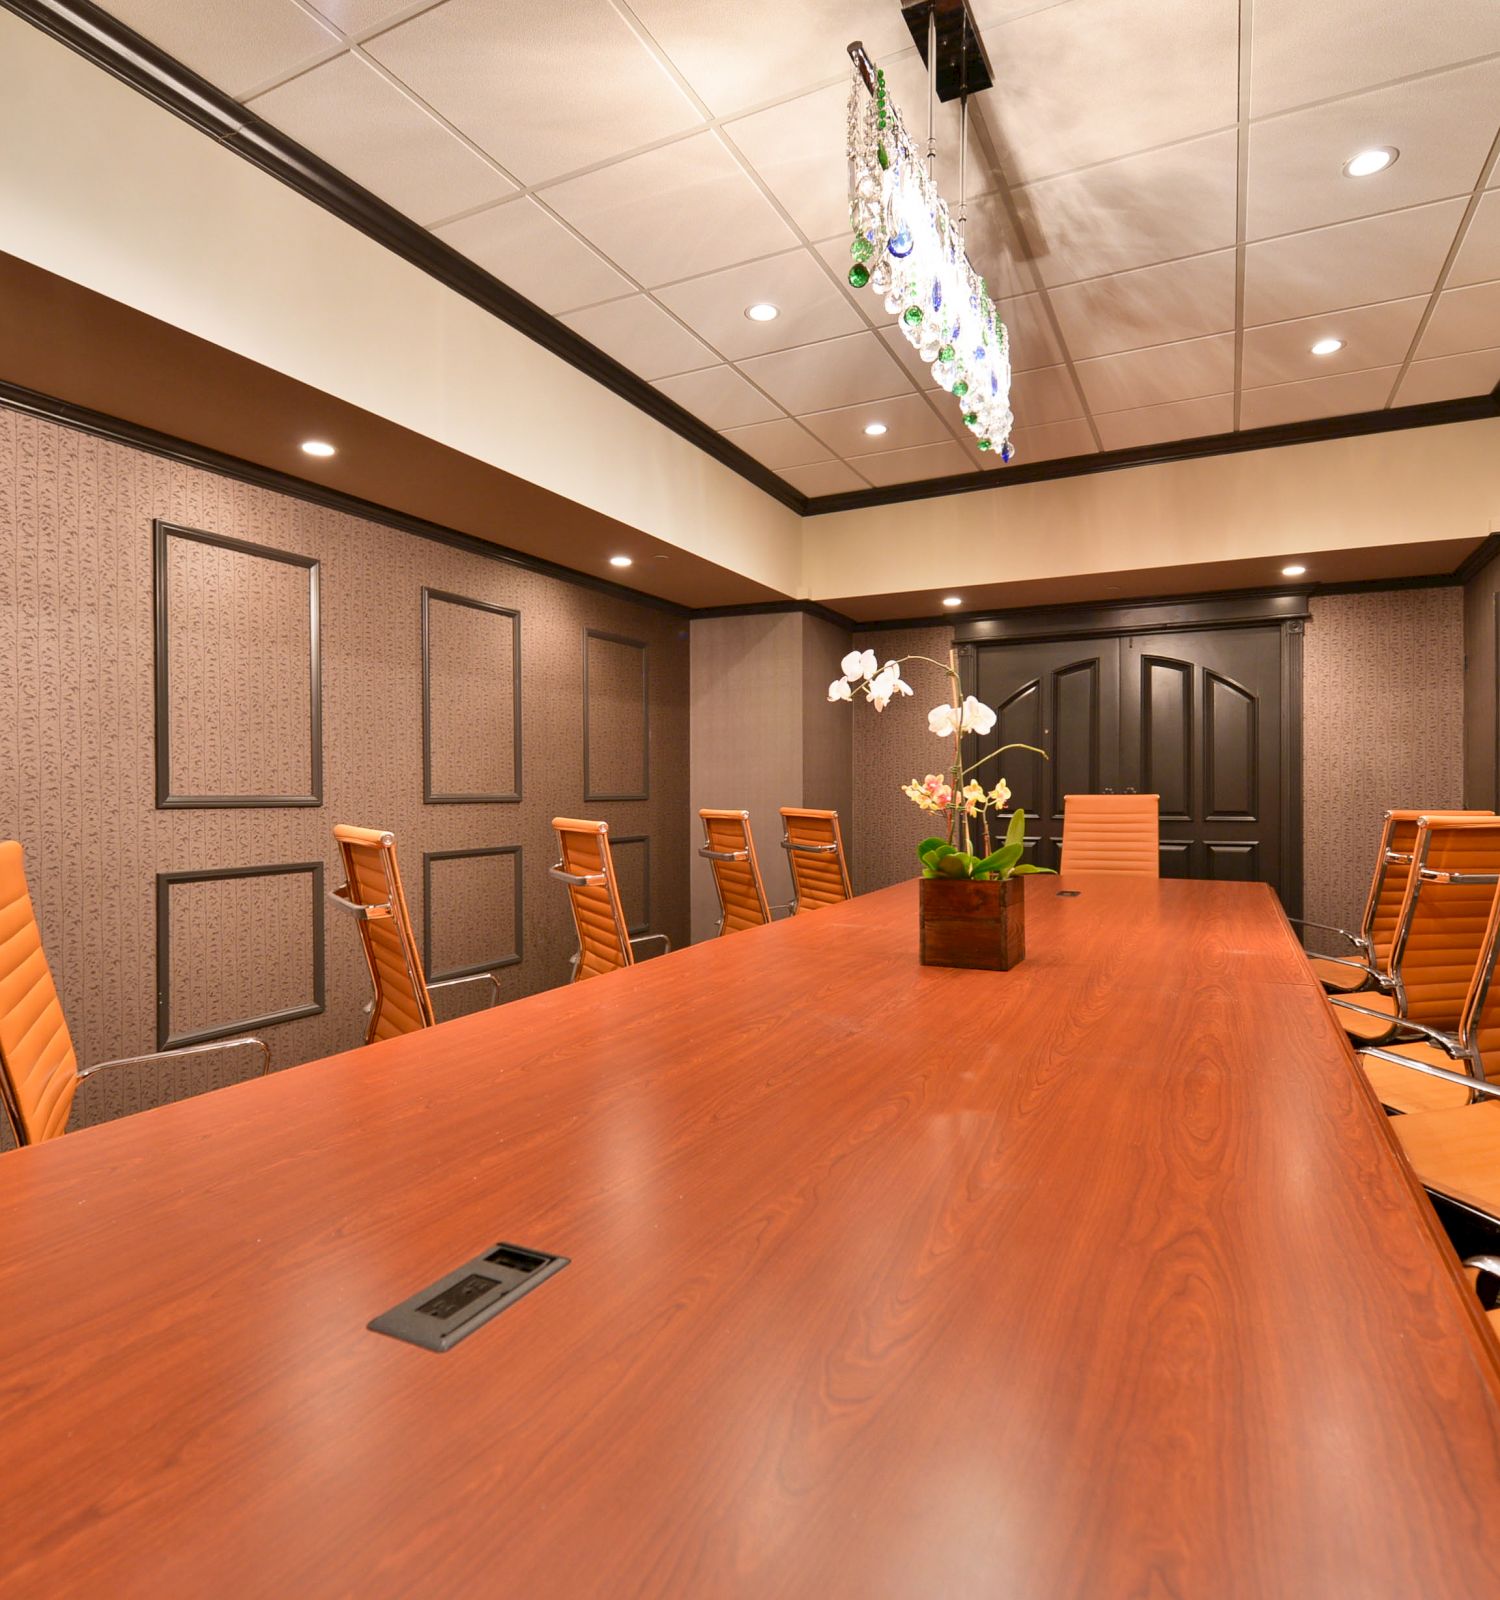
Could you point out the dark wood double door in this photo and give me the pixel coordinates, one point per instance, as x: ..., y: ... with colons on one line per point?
x: 1197, y: 717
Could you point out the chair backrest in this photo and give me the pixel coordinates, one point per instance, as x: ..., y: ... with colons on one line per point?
x: 587, y: 869
x: 815, y: 849
x: 1388, y: 886
x: 1445, y: 918
x: 38, y: 1069
x: 730, y: 851
x: 1111, y: 833
x: 372, y: 892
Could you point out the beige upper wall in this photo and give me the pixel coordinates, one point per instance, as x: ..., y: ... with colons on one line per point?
x: 102, y: 186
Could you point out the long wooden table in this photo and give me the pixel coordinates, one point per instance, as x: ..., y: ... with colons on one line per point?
x: 1099, y: 1278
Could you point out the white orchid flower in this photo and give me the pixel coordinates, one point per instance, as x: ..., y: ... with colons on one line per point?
x: 839, y: 690
x: 859, y: 664
x: 973, y: 716
x: 977, y: 717
x: 944, y: 721
x: 892, y: 670
x: 882, y: 687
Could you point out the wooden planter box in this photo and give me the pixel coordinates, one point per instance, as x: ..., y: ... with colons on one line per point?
x: 968, y: 924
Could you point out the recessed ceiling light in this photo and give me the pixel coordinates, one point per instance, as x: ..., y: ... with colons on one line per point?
x: 874, y: 429
x: 1327, y: 347
x: 762, y: 311
x: 619, y: 561
x: 1294, y: 571
x: 953, y: 599
x: 317, y: 447
x: 1368, y: 162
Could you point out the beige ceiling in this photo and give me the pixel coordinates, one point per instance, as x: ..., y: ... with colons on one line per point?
x: 1160, y: 202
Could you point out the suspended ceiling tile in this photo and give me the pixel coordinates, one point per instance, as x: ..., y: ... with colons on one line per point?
x: 1374, y: 336
x: 543, y: 88
x: 1338, y: 396
x: 1478, y: 259
x: 906, y: 83
x: 1047, y: 394
x: 797, y: 149
x: 1133, y: 213
x: 1154, y: 73
x: 995, y: 250
x: 905, y: 352
x: 779, y: 445
x: 720, y: 396
x: 868, y: 306
x: 1442, y: 126
x: 908, y: 419
x: 1300, y: 52
x: 1450, y: 378
x: 1154, y: 305
x: 1351, y: 264
x: 240, y: 45
x: 526, y: 247
x: 1050, y: 441
x: 639, y: 334
x: 824, y: 477
x: 375, y: 133
x: 360, y: 17
x: 811, y: 306
x: 675, y: 212
x: 1033, y: 344
x: 1178, y: 419
x: 914, y: 466
x: 737, y: 56
x: 1463, y: 319
x: 1164, y: 372
x: 837, y: 372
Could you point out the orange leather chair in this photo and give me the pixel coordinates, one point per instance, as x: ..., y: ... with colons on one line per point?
x: 604, y: 940
x: 1439, y: 937
x: 730, y: 850
x: 39, y: 1072
x: 815, y: 849
x: 1369, y: 965
x: 372, y: 894
x: 1116, y: 833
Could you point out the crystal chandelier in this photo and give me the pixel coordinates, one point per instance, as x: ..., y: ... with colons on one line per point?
x: 908, y: 248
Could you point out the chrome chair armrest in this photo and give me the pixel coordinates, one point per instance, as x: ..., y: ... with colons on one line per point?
x: 1344, y: 961
x: 468, y: 977
x: 340, y: 898
x: 185, y: 1050
x: 652, y: 938
x: 1486, y: 1267
x: 810, y: 849
x: 1444, y: 1041
x: 1433, y: 875
x: 724, y: 855
x: 1365, y: 1011
x: 1355, y: 939
x: 1477, y: 1086
x: 582, y: 879
x: 786, y: 910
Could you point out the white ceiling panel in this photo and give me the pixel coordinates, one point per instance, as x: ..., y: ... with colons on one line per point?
x: 1478, y: 259
x: 1133, y: 213
x: 375, y: 133
x: 794, y: 147
x: 1164, y: 372
x: 1374, y: 336
x: 913, y: 466
x: 779, y: 444
x: 1463, y: 319
x: 1156, y: 74
x: 811, y: 307
x: 1338, y: 396
x: 638, y: 333
x: 994, y: 249
x: 868, y: 306
x: 1051, y: 440
x: 1046, y: 395
x: 1450, y: 378
x: 543, y: 88
x: 675, y: 212
x: 1301, y: 52
x: 1178, y: 419
x: 1353, y: 264
x: 838, y: 372
x: 357, y: 18
x: 906, y: 82
x: 1442, y: 126
x: 1032, y: 342
x: 240, y: 45
x: 901, y: 347
x: 720, y: 396
x: 824, y: 477
x: 737, y: 56
x: 528, y: 248
x: 908, y: 420
x: 1154, y: 305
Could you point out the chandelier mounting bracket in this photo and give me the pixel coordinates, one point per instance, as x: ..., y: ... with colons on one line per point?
x: 963, y: 67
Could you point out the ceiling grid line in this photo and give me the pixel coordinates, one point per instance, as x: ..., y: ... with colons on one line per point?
x: 1241, y: 197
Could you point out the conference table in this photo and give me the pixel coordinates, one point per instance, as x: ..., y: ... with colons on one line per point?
x: 1099, y: 1278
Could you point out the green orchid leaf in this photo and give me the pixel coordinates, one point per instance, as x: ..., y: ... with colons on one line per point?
x: 1016, y: 832
x: 932, y: 844
x: 956, y: 865
x: 1003, y: 859
x: 927, y: 872
x: 1026, y: 866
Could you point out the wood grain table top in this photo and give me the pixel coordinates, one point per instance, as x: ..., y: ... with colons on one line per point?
x: 1100, y: 1278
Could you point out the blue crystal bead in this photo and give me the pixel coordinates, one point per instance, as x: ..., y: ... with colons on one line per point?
x: 980, y: 352
x: 900, y: 245
x: 1007, y: 451
x: 937, y: 295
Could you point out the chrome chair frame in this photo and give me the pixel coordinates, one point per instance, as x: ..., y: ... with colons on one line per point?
x: 593, y: 880
x: 810, y: 850
x: 1361, y: 941
x: 709, y: 854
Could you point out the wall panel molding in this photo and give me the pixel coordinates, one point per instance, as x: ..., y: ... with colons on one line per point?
x: 431, y: 795
x: 508, y: 959
x: 166, y: 1038
x: 623, y: 791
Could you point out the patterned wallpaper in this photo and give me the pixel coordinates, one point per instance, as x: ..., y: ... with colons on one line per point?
x: 471, y: 687
x: 76, y: 745
x: 1382, y: 726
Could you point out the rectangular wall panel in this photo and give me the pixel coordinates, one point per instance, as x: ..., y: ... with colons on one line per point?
x: 471, y: 700
x: 472, y: 919
x: 238, y: 673
x: 237, y: 948
x: 616, y: 722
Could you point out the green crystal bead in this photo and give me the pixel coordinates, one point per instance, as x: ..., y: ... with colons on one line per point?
x: 859, y: 275
x: 912, y: 315
x: 882, y: 156
x: 984, y: 444
x: 946, y: 353
x: 970, y: 418
x: 961, y: 389
x: 861, y: 249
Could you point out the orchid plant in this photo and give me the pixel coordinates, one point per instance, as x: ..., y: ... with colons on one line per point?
x: 956, y: 795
